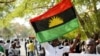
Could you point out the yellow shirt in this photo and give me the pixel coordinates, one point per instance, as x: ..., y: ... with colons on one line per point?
x: 31, y: 47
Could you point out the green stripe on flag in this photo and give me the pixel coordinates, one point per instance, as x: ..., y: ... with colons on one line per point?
x: 53, y: 33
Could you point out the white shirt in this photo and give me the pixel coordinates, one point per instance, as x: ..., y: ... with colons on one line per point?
x: 27, y: 47
x: 12, y: 52
x: 66, y: 49
x: 7, y: 45
x: 98, y: 49
x: 17, y: 44
x: 52, y: 51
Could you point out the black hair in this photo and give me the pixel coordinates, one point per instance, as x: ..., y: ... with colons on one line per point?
x: 8, y: 41
x: 31, y: 41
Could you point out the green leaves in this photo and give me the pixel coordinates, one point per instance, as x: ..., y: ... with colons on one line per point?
x: 21, y: 8
x: 24, y: 7
x: 89, y: 15
x: 87, y: 10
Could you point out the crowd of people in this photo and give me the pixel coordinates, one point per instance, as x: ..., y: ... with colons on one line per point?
x: 10, y: 48
x: 63, y: 48
x: 56, y: 47
x: 29, y: 48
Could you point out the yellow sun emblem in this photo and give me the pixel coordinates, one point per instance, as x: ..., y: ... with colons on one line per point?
x: 55, y: 21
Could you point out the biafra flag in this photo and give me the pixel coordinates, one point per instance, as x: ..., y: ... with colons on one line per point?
x: 57, y: 21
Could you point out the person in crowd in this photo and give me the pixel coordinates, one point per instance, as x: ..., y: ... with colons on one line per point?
x: 41, y: 51
x: 83, y: 47
x: 67, y: 47
x: 27, y: 53
x: 98, y: 47
x: 54, y: 47
x: 18, y: 46
x: 1, y: 49
x: 74, y: 44
x: 26, y: 42
x: 78, y: 47
x: 7, y: 46
x: 2, y: 43
x: 12, y: 51
x: 90, y: 46
x: 31, y: 48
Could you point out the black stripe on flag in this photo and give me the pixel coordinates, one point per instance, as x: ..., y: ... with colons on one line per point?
x: 66, y: 16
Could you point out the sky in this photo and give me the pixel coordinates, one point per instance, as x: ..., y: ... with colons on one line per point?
x: 21, y: 21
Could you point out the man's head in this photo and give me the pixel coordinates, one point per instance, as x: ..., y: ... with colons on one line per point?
x: 90, y: 46
x: 13, y: 45
x: 8, y: 41
x: 55, y: 42
x: 31, y: 41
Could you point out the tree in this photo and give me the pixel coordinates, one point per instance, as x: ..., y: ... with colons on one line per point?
x: 10, y: 9
x: 89, y: 15
x: 88, y: 12
x: 19, y: 8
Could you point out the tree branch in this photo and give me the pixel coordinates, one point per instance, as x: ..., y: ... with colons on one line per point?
x: 7, y: 1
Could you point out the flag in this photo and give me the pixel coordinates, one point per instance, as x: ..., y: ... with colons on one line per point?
x: 57, y: 21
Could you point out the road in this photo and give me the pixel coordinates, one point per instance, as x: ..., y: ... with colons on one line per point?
x: 22, y: 49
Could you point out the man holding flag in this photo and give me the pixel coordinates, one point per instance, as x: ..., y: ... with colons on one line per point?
x: 57, y: 21
x: 54, y: 47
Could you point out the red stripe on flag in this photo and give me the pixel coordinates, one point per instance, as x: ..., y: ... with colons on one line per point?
x: 60, y: 7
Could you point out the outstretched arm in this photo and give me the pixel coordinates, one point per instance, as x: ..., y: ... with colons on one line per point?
x: 73, y: 46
